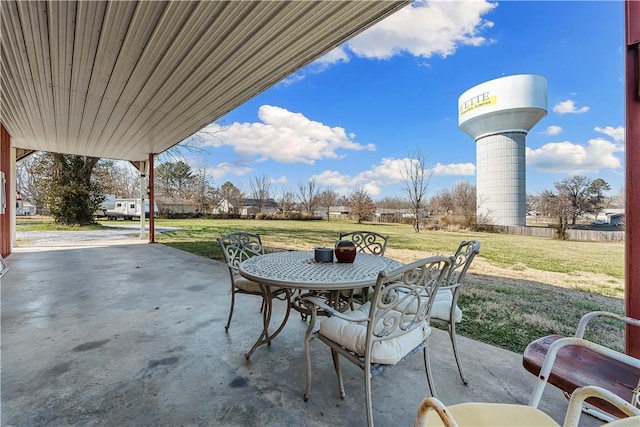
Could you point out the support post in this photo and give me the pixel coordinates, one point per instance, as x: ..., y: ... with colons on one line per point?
x: 632, y: 184
x: 152, y: 201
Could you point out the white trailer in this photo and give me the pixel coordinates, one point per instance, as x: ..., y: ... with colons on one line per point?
x: 127, y: 209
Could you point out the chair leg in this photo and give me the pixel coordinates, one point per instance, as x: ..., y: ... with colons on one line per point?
x: 427, y: 368
x: 367, y: 393
x: 308, y: 337
x: 233, y: 301
x: 452, y: 335
x: 336, y: 365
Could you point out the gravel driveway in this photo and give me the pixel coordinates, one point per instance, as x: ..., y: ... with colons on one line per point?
x: 86, y: 237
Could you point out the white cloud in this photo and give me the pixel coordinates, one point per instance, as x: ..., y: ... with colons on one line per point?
x: 617, y: 134
x: 424, y: 29
x: 288, y: 137
x: 464, y: 169
x: 387, y: 172
x: 223, y: 169
x: 567, y: 157
x: 553, y: 130
x: 568, y: 107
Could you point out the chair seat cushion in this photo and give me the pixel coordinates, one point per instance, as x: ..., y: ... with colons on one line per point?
x: 493, y: 415
x: 353, y: 337
x: 442, y: 307
x: 247, y: 285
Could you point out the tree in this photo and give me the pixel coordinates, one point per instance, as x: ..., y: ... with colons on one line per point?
x: 174, y: 179
x: 327, y: 199
x: 33, y: 178
x: 233, y: 195
x: 260, y: 188
x: 464, y: 202
x: 73, y: 196
x: 415, y: 183
x: 597, y: 198
x: 558, y: 206
x: 286, y: 201
x: 119, y: 178
x: 360, y: 204
x: 204, y: 194
x: 308, y: 195
x: 575, y: 191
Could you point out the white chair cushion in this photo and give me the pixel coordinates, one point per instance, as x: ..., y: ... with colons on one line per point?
x: 249, y: 286
x: 353, y: 336
x: 442, y: 307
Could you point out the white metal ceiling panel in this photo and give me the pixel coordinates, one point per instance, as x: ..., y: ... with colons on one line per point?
x: 123, y: 79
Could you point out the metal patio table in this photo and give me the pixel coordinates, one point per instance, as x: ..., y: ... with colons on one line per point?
x: 298, y: 270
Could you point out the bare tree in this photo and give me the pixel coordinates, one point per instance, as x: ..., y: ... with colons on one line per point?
x: 33, y: 177
x: 360, y: 204
x: 559, y: 207
x: 233, y: 195
x: 260, y: 190
x: 415, y: 183
x: 326, y: 200
x: 308, y: 195
x: 117, y: 177
x: 464, y: 201
x: 286, y: 201
x: 575, y: 191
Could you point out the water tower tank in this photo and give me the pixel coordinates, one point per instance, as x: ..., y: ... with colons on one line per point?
x: 498, y: 114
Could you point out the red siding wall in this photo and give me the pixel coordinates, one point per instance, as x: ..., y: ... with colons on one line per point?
x: 5, y: 219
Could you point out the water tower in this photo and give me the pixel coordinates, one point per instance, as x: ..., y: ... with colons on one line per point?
x: 498, y: 114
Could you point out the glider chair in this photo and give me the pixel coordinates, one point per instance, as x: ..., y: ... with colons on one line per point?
x: 433, y: 412
x: 237, y: 247
x: 446, y: 308
x: 572, y: 362
x: 383, y: 331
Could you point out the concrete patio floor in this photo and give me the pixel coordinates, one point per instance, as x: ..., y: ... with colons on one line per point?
x: 125, y: 333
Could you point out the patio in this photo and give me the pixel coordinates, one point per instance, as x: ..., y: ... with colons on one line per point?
x: 129, y: 333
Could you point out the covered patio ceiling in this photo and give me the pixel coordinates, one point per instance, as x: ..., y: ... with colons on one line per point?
x: 124, y: 79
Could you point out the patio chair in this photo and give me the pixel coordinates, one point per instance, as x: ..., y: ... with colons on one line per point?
x: 572, y: 362
x: 368, y: 242
x: 446, y: 308
x: 433, y: 412
x: 237, y: 247
x: 383, y: 331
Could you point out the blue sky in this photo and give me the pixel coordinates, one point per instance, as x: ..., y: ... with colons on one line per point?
x: 350, y: 118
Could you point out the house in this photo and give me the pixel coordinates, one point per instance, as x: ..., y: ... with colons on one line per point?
x: 247, y: 208
x: 616, y: 219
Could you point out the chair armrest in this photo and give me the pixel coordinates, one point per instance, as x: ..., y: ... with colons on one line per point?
x: 451, y: 286
x: 582, y: 326
x: 579, y: 396
x: 432, y: 403
x: 314, y: 303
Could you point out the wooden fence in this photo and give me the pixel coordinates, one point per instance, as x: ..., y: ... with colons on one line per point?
x: 593, y: 235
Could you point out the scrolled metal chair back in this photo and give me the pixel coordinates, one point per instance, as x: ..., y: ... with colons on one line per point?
x: 240, y: 246
x: 401, y: 300
x: 367, y: 241
x: 467, y: 250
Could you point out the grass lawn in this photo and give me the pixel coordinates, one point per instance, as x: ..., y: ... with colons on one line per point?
x: 519, y: 288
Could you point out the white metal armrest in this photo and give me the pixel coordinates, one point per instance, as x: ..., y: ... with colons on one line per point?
x: 579, y: 396
x: 582, y: 326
